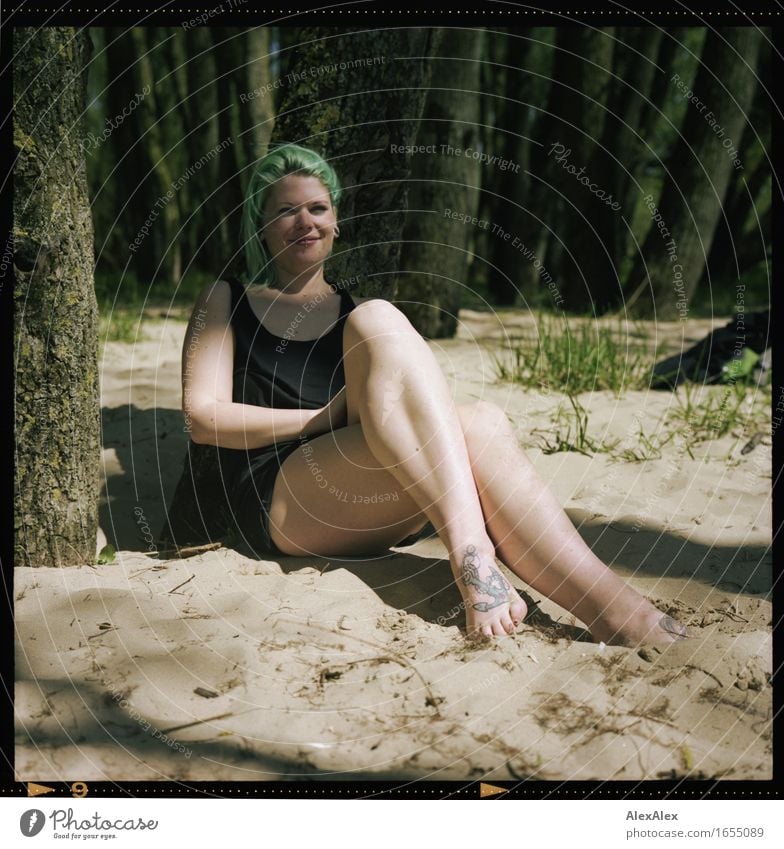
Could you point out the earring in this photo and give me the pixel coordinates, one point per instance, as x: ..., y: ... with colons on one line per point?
x: 336, y: 232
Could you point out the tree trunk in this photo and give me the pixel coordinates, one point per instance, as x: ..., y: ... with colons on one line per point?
x: 511, y: 274
x: 230, y: 52
x: 742, y: 238
x: 435, y: 255
x: 201, y: 135
x: 260, y: 112
x: 357, y: 116
x: 57, y: 422
x: 698, y: 171
x: 492, y: 78
x: 570, y: 193
x: 150, y: 217
x: 166, y: 263
x: 352, y: 116
x: 623, y: 150
x: 670, y: 44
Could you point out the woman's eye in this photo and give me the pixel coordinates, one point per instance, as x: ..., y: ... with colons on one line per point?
x: 318, y: 208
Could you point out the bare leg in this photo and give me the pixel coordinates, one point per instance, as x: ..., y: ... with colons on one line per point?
x: 536, y: 540
x: 404, y: 428
x: 397, y: 390
x: 406, y: 434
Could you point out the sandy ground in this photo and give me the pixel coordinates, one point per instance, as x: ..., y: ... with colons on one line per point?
x: 226, y: 667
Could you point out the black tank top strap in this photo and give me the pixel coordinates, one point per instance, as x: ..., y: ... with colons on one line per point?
x: 346, y: 303
x: 237, y: 291
x: 241, y: 310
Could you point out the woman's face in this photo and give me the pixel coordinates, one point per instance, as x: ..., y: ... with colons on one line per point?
x: 299, y: 223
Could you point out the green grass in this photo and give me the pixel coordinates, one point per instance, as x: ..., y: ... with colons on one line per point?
x: 127, y: 291
x: 571, y: 432
x: 122, y: 324
x: 586, y: 356
x: 702, y: 413
x: 123, y: 298
x: 578, y: 356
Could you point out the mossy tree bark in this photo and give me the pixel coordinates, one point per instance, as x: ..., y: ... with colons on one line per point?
x: 698, y: 171
x: 57, y: 421
x: 436, y: 248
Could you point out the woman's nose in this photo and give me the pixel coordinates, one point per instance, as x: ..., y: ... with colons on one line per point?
x: 304, y: 220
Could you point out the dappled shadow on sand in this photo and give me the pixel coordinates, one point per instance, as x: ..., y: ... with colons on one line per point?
x: 70, y: 729
x: 140, y: 475
x: 423, y: 585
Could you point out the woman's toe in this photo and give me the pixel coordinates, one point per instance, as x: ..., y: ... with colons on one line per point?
x: 480, y: 633
x: 499, y: 627
x: 518, y: 610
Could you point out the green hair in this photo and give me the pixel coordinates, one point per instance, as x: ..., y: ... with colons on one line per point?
x: 278, y: 163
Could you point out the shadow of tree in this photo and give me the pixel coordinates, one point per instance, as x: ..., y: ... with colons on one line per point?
x: 82, y: 720
x: 423, y: 585
x: 149, y: 446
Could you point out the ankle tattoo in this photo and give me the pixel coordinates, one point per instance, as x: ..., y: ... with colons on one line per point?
x: 494, y: 585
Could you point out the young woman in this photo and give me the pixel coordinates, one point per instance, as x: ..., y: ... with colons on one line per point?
x: 340, y: 436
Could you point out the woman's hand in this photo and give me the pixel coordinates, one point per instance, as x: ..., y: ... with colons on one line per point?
x: 331, y: 417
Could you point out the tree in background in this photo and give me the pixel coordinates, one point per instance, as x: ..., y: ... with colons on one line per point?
x: 605, y: 96
x: 742, y: 241
x: 571, y: 239
x: 361, y: 118
x: 697, y: 174
x: 435, y: 259
x: 620, y: 156
x: 518, y: 76
x: 151, y: 218
x: 185, y: 112
x: 56, y: 422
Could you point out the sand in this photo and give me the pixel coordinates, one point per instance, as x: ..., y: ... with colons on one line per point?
x: 226, y: 667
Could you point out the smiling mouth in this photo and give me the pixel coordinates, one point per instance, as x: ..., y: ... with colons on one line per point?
x: 306, y: 240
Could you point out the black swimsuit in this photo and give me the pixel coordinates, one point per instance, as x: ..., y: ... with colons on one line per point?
x: 274, y: 371
x: 271, y: 371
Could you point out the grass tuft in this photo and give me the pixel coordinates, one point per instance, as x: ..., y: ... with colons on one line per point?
x: 590, y: 356
x: 584, y: 356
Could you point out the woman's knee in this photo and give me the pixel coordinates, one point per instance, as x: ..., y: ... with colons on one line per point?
x: 377, y: 318
x: 484, y: 420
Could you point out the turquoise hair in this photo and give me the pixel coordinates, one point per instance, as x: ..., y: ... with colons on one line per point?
x: 279, y: 162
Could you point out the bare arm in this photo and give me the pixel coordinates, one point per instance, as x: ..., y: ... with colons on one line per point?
x: 207, y: 373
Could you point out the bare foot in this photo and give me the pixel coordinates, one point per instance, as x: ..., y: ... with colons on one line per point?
x: 493, y: 607
x: 645, y: 624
